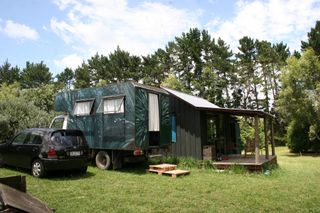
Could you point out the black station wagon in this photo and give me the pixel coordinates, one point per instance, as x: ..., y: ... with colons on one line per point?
x: 44, y: 149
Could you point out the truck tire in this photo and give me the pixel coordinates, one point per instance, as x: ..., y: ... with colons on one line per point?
x: 103, y: 160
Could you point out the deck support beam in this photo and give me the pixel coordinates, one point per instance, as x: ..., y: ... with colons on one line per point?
x: 256, y: 138
x: 265, y: 120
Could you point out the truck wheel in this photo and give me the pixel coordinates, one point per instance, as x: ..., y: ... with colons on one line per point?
x: 37, y: 169
x: 103, y: 160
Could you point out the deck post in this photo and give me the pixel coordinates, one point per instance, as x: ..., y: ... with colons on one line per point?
x: 272, y: 138
x: 256, y: 138
x: 266, y: 137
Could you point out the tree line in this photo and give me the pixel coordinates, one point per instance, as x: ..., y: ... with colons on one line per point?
x: 255, y: 76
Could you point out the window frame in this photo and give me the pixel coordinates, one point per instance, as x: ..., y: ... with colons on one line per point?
x: 26, y: 134
x: 34, y: 134
x: 112, y: 97
x: 92, y: 100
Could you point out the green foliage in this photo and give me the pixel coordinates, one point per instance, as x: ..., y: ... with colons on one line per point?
x: 9, y: 74
x: 82, y: 77
x: 172, y: 82
x: 116, y: 67
x: 17, y: 114
x: 313, y: 40
x: 155, y: 67
x: 42, y: 96
x: 298, y: 102
x: 35, y: 75
x: 18, y: 110
x: 237, y: 169
x: 183, y: 162
x: 247, y: 131
x: 65, y: 78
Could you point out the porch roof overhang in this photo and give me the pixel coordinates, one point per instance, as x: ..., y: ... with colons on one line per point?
x: 239, y: 112
x: 204, y: 105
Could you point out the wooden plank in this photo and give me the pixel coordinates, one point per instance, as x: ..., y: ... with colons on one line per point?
x: 176, y: 173
x: 163, y: 167
x: 172, y: 173
x: 16, y: 182
x: 156, y: 171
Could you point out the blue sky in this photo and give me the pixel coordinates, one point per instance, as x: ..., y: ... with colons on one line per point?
x: 63, y: 33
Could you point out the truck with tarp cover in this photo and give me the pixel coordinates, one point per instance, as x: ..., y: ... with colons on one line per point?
x: 120, y: 121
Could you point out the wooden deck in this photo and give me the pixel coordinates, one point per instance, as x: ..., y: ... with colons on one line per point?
x: 248, y: 162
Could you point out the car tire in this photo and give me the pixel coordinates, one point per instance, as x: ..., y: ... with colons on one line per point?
x: 37, y: 169
x: 103, y: 160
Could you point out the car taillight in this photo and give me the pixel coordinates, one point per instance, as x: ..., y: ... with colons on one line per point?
x: 138, y: 152
x: 52, y: 153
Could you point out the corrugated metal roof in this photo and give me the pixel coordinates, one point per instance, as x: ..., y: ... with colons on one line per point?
x: 203, y: 104
x: 193, y: 100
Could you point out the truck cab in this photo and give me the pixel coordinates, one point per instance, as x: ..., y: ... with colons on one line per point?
x: 59, y: 122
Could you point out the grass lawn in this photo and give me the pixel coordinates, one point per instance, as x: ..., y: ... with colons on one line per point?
x: 293, y: 187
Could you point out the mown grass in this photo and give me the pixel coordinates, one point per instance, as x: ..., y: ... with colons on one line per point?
x: 292, y: 187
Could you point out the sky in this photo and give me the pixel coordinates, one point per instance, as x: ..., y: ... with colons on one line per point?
x: 64, y: 33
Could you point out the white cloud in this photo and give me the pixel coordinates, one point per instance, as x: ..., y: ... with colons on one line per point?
x: 100, y: 26
x: 71, y: 61
x: 273, y: 20
x: 19, y: 31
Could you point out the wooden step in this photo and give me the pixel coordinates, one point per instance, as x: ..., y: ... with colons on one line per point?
x: 172, y: 173
x: 177, y: 172
x: 163, y: 167
x: 168, y: 169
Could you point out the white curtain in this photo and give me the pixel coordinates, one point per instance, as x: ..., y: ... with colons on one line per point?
x: 113, y: 105
x: 154, y: 115
x: 82, y: 108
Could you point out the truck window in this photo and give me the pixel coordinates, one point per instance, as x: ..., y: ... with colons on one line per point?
x: 83, y: 107
x: 57, y: 123
x: 112, y: 105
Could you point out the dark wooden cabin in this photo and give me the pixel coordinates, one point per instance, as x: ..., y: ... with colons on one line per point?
x: 203, y: 130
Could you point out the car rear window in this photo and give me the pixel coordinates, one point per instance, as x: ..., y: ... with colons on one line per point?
x: 67, y: 138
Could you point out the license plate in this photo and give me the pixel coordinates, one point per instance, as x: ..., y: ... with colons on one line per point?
x: 75, y: 153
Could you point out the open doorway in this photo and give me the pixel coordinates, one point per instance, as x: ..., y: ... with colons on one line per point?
x: 154, y: 120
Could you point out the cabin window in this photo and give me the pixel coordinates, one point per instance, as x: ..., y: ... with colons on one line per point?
x: 112, y: 105
x: 154, y: 113
x: 83, y: 107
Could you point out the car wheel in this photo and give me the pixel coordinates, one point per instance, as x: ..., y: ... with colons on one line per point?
x: 37, y: 169
x: 103, y: 160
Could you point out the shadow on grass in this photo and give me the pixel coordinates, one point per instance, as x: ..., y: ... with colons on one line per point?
x: 54, y: 175
x: 134, y: 168
x: 314, y: 155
